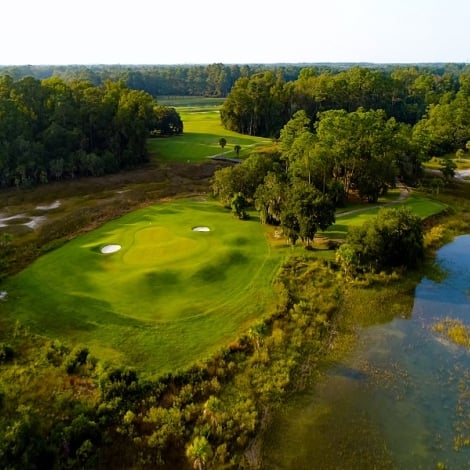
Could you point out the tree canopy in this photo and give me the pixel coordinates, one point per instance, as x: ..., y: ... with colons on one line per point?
x: 51, y: 130
x: 394, y: 238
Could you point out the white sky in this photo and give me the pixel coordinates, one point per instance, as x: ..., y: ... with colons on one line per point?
x: 235, y: 31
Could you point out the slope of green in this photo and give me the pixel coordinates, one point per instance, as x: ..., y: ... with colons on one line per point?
x: 169, y: 297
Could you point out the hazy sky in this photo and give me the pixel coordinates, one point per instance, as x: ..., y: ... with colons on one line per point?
x: 235, y: 31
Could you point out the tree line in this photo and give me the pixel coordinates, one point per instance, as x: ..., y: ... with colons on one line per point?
x: 218, y: 79
x: 53, y: 130
x: 214, y: 80
x: 437, y: 105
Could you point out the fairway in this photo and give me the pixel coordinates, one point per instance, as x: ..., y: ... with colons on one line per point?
x: 202, y: 132
x: 421, y: 205
x: 187, y: 278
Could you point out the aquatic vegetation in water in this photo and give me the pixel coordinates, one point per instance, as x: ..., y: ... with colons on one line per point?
x: 453, y: 330
x: 458, y: 333
x: 462, y: 425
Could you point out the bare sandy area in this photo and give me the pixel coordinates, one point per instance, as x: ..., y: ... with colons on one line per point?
x: 48, y: 207
x: 110, y: 249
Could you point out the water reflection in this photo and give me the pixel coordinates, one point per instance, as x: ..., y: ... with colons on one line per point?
x: 400, y: 401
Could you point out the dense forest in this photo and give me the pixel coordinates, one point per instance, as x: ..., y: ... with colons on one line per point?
x: 52, y: 130
x: 191, y: 80
x: 218, y: 79
x: 437, y: 105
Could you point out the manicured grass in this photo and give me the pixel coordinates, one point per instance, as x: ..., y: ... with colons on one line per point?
x: 420, y: 205
x: 200, y: 139
x: 169, y: 297
x: 177, y: 101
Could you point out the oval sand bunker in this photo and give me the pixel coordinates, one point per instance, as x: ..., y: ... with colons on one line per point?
x: 201, y: 229
x: 110, y: 249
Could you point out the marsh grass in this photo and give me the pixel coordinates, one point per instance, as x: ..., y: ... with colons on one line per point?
x: 453, y: 330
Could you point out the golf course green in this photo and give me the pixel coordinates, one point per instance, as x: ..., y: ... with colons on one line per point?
x: 181, y: 279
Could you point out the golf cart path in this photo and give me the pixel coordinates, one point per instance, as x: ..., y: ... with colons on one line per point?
x: 404, y: 193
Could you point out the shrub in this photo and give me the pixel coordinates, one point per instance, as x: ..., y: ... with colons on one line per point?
x: 6, y: 353
x: 394, y: 238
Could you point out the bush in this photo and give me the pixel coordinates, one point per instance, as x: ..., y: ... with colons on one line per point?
x: 394, y: 238
x: 6, y: 353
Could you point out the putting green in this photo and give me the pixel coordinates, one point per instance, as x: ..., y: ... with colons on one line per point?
x: 169, y: 296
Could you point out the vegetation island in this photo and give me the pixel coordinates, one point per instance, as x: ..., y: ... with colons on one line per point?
x: 183, y: 248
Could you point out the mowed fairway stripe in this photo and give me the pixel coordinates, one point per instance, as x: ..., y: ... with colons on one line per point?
x: 169, y: 296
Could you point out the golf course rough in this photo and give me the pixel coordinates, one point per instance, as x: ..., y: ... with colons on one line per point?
x: 168, y: 297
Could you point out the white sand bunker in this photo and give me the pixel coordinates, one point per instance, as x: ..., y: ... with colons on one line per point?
x: 110, y: 249
x: 201, y: 229
x: 53, y: 205
x: 3, y: 294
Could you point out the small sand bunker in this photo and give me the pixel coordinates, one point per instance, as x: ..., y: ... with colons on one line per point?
x: 49, y: 207
x: 201, y: 229
x: 110, y: 249
x: 35, y: 222
x: 3, y: 294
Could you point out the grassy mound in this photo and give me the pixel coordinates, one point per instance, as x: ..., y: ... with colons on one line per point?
x: 168, y: 297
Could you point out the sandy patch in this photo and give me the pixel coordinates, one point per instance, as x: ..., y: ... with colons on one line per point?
x: 462, y: 174
x: 110, y: 249
x: 49, y: 207
x: 4, y: 221
x: 201, y: 229
x: 35, y: 222
x: 3, y: 294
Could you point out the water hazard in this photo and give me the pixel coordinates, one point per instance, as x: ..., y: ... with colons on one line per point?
x: 401, y: 401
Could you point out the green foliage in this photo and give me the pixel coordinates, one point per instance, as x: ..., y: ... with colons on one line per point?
x: 57, y: 130
x: 394, y: 238
x: 78, y: 357
x: 167, y: 122
x: 6, y: 352
x: 222, y: 142
x: 305, y: 211
x: 448, y: 123
x: 448, y: 167
x: 239, y: 206
x: 454, y: 330
x: 80, y: 438
x: 23, y: 445
x: 6, y: 250
x: 199, y: 452
x: 269, y: 198
x: 256, y: 105
x: 244, y: 178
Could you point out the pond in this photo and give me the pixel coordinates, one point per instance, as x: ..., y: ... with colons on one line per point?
x: 400, y: 401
